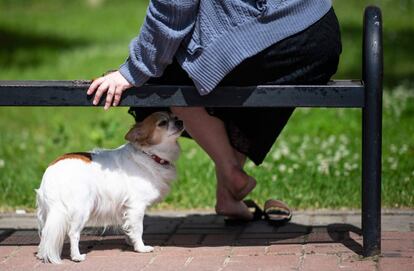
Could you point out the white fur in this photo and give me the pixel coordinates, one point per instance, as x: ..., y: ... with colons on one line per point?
x: 114, y: 188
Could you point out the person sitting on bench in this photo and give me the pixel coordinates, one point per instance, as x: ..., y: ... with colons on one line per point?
x: 207, y: 43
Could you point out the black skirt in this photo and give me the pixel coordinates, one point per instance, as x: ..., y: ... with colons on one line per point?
x: 308, y: 57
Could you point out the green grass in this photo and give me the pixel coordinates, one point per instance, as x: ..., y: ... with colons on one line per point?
x: 398, y: 38
x: 314, y: 164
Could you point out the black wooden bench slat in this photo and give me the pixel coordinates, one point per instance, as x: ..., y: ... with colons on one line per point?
x: 345, y: 93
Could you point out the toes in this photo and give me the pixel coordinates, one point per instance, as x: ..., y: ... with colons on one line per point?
x: 235, y: 210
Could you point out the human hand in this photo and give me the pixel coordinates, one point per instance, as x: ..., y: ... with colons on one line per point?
x: 114, y: 84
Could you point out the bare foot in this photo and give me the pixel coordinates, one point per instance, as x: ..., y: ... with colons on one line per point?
x: 226, y: 205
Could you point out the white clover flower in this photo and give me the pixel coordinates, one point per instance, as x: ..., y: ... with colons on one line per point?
x: 276, y: 155
x: 284, y: 150
x: 337, y: 157
x: 390, y: 159
x: 393, y: 148
x: 282, y: 167
x: 319, y: 157
x: 324, y: 167
x: 344, y: 139
x: 267, y: 165
x: 2, y: 163
x: 394, y: 166
x: 22, y: 146
x: 95, y: 3
x: 274, y: 178
x: 343, y: 150
x: 346, y: 152
x: 404, y: 149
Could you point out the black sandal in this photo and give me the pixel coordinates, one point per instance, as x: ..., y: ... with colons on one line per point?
x: 258, y: 214
x: 277, y: 212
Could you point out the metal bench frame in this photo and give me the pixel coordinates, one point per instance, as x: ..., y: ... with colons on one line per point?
x: 365, y: 94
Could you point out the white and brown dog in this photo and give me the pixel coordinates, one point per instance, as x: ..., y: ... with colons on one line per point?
x: 107, y: 187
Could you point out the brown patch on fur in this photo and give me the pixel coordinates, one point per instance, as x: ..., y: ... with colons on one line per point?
x: 148, y: 132
x: 84, y: 156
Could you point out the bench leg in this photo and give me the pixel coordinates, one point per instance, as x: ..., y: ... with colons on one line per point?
x: 371, y: 132
x: 371, y: 182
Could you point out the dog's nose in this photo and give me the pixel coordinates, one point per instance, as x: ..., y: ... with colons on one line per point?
x: 179, y: 124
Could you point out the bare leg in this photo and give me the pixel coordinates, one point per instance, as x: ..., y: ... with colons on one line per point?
x: 233, y: 184
x: 241, y: 158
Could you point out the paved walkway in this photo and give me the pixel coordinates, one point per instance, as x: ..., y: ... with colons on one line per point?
x: 322, y: 240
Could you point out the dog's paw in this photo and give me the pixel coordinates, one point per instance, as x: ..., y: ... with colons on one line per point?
x: 144, y: 249
x: 79, y: 258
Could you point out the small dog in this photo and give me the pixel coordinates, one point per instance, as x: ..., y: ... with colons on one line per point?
x: 107, y: 187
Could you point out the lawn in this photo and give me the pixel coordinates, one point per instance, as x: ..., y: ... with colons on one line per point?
x: 314, y: 164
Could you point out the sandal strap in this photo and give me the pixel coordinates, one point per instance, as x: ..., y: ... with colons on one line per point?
x: 258, y: 212
x: 277, y: 208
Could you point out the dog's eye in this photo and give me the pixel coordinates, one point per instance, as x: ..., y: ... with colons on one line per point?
x: 162, y: 123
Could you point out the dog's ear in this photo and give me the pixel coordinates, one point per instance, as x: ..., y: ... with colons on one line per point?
x: 134, y: 134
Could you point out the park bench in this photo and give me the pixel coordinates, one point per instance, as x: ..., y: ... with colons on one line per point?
x: 365, y: 94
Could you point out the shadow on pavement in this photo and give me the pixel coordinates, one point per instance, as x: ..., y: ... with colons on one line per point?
x: 206, y: 230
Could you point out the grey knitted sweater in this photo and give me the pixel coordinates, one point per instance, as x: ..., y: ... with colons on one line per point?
x: 211, y: 37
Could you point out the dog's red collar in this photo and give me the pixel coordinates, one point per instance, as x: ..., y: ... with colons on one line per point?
x: 157, y: 159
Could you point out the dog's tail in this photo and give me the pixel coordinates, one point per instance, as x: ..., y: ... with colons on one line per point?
x: 52, y: 230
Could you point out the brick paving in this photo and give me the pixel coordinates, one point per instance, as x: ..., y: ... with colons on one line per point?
x: 314, y: 240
